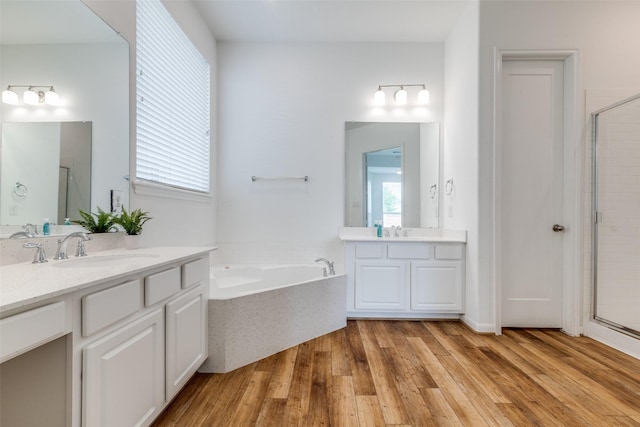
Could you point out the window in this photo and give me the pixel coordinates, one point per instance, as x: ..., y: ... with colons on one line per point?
x: 173, y: 118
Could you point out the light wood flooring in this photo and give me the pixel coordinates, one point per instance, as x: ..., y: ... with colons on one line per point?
x: 403, y: 373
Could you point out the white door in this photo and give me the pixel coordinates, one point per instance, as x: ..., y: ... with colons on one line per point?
x: 531, y: 193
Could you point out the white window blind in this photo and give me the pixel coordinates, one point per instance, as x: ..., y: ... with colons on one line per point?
x: 173, y: 119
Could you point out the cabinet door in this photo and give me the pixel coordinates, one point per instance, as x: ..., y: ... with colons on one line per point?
x: 381, y: 285
x: 186, y: 338
x: 123, y: 375
x: 436, y: 286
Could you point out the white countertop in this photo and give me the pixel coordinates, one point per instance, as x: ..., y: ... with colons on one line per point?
x: 415, y: 235
x: 27, y: 283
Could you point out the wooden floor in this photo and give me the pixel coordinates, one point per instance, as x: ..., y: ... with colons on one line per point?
x: 402, y: 373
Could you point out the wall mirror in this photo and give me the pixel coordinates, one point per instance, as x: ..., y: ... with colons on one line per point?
x: 58, y: 155
x: 64, y: 44
x: 392, y: 174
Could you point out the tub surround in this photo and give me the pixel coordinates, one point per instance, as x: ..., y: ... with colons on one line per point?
x: 292, y: 307
x: 368, y: 234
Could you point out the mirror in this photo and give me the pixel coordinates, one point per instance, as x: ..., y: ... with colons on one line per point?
x: 57, y: 181
x: 392, y: 174
x: 64, y: 44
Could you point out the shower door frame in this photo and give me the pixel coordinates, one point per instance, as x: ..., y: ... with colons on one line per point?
x: 594, y: 212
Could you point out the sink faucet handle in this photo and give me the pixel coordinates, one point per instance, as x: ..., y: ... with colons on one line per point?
x: 30, y: 229
x: 40, y: 256
x: 81, y: 251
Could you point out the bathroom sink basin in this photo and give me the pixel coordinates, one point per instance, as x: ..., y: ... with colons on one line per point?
x: 102, y: 260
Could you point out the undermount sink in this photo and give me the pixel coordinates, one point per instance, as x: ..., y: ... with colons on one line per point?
x: 102, y: 260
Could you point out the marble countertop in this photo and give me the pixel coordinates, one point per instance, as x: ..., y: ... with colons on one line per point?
x: 414, y: 235
x: 26, y: 283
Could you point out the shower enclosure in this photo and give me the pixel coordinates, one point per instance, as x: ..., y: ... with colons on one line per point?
x: 616, y: 209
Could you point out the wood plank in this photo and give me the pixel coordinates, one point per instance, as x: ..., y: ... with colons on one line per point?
x: 369, y: 411
x: 283, y: 374
x: 341, y: 359
x: 392, y: 408
x: 321, y: 389
x: 360, y: 371
x: 253, y: 398
x: 343, y: 406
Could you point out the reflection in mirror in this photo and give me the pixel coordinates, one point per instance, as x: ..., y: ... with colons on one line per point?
x: 392, y: 174
x: 383, y: 187
x: 56, y: 182
x: 64, y: 44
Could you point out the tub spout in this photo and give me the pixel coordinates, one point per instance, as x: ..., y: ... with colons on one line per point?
x: 332, y: 271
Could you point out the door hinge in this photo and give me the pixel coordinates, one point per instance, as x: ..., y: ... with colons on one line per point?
x: 598, y: 217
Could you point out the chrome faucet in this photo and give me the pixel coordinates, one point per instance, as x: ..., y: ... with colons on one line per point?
x: 332, y: 271
x: 61, y: 253
x: 30, y: 231
x: 40, y: 256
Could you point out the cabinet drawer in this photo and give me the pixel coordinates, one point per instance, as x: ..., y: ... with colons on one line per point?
x: 106, y: 307
x: 370, y: 251
x: 448, y: 252
x: 32, y: 328
x: 160, y: 286
x: 195, y: 272
x: 409, y: 251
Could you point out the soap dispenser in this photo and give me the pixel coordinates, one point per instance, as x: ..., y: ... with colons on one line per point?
x: 45, y: 226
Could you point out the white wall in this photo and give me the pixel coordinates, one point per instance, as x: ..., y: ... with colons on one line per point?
x: 283, y: 108
x: 606, y: 35
x: 175, y: 221
x: 460, y: 156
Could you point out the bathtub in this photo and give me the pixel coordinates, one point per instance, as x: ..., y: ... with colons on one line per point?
x: 259, y: 310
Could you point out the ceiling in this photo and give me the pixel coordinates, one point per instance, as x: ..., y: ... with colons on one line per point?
x: 51, y: 22
x: 330, y: 20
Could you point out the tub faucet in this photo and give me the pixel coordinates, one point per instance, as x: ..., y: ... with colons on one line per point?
x: 61, y: 253
x: 332, y: 270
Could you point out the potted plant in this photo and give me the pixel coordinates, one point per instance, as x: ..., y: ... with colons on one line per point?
x: 132, y: 223
x: 101, y: 222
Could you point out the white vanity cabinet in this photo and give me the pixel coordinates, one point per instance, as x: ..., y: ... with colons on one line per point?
x: 404, y: 279
x: 141, y: 342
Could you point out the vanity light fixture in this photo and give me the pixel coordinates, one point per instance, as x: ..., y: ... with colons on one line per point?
x: 31, y: 96
x: 400, y: 96
x: 9, y: 96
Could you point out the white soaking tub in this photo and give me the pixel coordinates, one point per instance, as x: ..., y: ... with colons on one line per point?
x: 259, y: 310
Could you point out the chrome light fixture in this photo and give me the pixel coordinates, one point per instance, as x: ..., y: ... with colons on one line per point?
x: 401, y: 96
x: 31, y: 96
x: 379, y: 97
x: 9, y: 96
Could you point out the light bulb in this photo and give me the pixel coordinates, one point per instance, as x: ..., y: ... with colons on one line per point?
x: 51, y: 97
x: 31, y: 97
x: 400, y: 96
x: 379, y: 97
x: 9, y: 97
x: 423, y: 96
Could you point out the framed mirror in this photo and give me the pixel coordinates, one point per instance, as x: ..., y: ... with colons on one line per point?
x: 392, y: 174
x: 62, y: 43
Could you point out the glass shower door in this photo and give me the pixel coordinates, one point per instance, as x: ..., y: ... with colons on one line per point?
x: 616, y: 197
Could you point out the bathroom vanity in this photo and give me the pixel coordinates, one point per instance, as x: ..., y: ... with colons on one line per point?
x: 105, y: 340
x: 419, y: 275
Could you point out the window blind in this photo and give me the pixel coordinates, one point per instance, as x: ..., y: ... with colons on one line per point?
x: 173, y: 118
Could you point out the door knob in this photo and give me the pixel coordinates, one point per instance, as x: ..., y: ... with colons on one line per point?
x: 558, y: 227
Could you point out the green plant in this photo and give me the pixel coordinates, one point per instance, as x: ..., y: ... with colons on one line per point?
x: 133, y: 221
x: 100, y: 222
